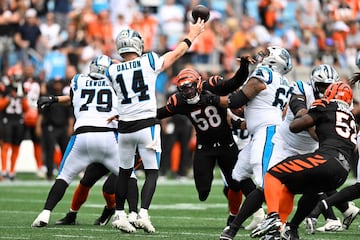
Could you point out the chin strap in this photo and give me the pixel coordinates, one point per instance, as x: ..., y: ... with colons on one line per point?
x: 193, y: 100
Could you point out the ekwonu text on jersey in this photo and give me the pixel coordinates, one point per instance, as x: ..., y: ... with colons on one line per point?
x: 94, y: 101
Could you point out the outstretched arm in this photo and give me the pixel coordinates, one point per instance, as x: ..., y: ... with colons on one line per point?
x: 223, y: 87
x: 171, y: 56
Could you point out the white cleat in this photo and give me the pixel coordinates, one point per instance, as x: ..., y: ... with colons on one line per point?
x: 132, y: 217
x: 349, y: 215
x: 42, y: 219
x: 144, y: 223
x: 258, y: 217
x: 331, y: 225
x: 122, y: 223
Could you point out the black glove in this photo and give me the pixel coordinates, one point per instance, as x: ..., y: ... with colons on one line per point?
x: 45, y: 101
x: 209, y: 99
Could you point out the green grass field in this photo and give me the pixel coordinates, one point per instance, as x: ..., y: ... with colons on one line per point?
x: 175, y: 212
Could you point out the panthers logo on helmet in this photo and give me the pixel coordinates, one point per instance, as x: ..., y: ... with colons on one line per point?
x: 129, y: 41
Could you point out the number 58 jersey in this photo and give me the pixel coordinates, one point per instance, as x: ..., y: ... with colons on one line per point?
x: 94, y: 102
x: 134, y: 82
x: 266, y: 108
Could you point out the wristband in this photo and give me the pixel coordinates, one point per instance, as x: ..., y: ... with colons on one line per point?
x: 54, y: 98
x: 188, y: 42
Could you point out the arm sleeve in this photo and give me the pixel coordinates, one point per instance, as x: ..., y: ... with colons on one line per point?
x: 169, y: 109
x: 224, y: 87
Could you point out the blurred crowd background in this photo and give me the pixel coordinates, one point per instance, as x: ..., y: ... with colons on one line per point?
x: 51, y: 40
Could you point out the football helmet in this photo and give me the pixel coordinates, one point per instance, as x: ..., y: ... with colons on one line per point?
x: 321, y: 77
x: 358, y: 59
x: 278, y: 59
x: 129, y: 41
x: 188, y: 82
x: 99, y: 65
x: 339, y: 91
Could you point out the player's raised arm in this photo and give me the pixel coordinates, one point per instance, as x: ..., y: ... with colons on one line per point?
x: 171, y: 56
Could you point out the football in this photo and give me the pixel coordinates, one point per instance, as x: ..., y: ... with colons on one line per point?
x: 200, y: 11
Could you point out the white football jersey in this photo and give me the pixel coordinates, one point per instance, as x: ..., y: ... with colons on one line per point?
x: 301, y: 141
x: 266, y: 108
x: 94, y: 101
x: 134, y: 83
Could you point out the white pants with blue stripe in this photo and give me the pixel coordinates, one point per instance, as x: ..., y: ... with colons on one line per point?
x: 253, y: 159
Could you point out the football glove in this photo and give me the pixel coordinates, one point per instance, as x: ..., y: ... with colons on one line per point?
x: 209, y: 99
x: 45, y: 101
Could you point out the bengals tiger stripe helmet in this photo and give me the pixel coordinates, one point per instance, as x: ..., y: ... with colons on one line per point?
x: 339, y: 91
x: 188, y: 82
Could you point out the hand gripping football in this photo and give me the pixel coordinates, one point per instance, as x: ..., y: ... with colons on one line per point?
x: 200, y: 11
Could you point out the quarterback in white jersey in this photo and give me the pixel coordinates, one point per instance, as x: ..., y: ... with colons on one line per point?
x: 95, y: 139
x: 134, y: 82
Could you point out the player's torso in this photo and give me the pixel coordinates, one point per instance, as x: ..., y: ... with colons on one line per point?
x: 210, y: 122
x: 302, y: 140
x: 134, y: 82
x: 94, y: 102
x: 266, y: 108
x: 336, y: 129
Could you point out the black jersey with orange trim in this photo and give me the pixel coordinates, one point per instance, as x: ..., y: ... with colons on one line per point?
x: 209, y: 121
x: 335, y: 126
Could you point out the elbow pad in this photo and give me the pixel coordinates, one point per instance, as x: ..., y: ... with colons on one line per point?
x: 237, y: 99
x: 297, y: 104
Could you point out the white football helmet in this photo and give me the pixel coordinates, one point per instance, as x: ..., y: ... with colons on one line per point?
x: 99, y: 65
x: 279, y: 59
x: 358, y: 59
x: 321, y: 77
x: 129, y: 41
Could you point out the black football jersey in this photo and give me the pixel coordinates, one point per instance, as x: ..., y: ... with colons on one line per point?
x: 335, y: 126
x: 209, y: 121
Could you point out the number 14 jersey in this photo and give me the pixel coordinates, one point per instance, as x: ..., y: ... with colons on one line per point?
x: 134, y: 82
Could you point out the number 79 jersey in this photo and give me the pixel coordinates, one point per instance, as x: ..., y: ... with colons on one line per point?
x: 134, y: 82
x: 94, y: 101
x: 267, y: 107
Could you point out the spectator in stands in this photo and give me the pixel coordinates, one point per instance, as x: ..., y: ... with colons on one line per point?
x: 28, y: 38
x: 51, y: 30
x: 102, y: 30
x: 9, y: 22
x: 308, y: 14
x: 61, y: 10
x: 171, y: 19
x: 54, y: 64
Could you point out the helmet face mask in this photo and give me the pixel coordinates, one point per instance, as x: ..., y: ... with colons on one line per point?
x: 279, y: 59
x: 129, y: 41
x: 188, y: 83
x: 321, y: 77
x: 188, y: 90
x: 99, y: 65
